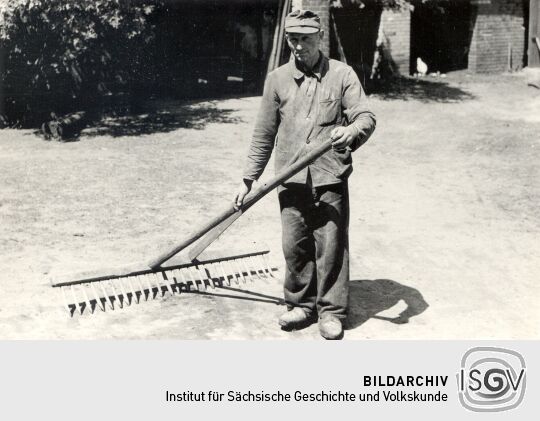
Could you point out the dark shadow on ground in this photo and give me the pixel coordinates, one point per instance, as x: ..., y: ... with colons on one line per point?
x: 247, y: 295
x: 159, y: 116
x: 425, y: 89
x: 367, y: 298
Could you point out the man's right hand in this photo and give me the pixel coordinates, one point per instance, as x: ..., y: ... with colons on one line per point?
x: 241, y: 192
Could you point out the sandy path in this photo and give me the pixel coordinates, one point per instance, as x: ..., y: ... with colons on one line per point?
x: 444, y: 227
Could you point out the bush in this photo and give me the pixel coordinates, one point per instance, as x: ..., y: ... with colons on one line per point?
x: 61, y: 56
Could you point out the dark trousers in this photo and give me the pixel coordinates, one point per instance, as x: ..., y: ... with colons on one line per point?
x: 315, y: 224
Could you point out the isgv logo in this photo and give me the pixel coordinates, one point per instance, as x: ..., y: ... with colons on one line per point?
x: 491, y: 379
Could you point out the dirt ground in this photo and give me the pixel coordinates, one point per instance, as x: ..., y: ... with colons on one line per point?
x: 444, y: 226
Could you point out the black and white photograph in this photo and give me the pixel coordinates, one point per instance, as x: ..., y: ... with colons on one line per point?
x: 269, y: 170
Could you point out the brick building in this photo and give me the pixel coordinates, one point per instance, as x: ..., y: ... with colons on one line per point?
x: 498, y: 41
x: 478, y: 35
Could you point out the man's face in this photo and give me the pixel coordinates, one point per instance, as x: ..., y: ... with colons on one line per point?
x: 305, y: 47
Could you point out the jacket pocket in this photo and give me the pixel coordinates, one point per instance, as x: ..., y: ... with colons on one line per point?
x: 329, y: 111
x: 340, y: 162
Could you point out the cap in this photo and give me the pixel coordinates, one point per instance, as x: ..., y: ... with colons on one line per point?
x: 302, y: 22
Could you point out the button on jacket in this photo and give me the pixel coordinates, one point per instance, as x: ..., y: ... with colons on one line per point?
x: 298, y: 112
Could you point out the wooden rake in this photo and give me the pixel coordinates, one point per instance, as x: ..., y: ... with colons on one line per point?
x: 119, y: 287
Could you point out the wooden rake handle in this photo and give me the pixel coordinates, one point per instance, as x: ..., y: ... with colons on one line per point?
x: 249, y: 201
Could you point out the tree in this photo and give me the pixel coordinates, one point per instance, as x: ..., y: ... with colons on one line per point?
x: 61, y: 56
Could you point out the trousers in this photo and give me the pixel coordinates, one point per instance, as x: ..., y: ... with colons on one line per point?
x: 315, y: 240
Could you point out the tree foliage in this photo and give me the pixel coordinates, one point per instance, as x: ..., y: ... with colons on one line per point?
x: 59, y: 55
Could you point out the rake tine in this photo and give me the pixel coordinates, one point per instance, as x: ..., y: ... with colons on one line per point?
x: 248, y: 270
x: 252, y: 267
x: 219, y: 272
x: 179, y: 280
x: 142, y: 288
x: 187, y: 277
x: 71, y: 311
x: 192, y: 278
x: 216, y: 268
x: 138, y: 278
x: 262, y: 271
x: 225, y: 277
x: 83, y: 287
x: 133, y: 294
x: 75, y: 299
x: 238, y: 262
x: 214, y: 274
x: 106, y: 294
x: 257, y: 270
x: 170, y: 278
x: 160, y: 280
x: 148, y: 286
x: 184, y: 280
x: 155, y: 278
x: 166, y: 281
x: 206, y: 274
x: 123, y: 292
x: 236, y: 271
x: 233, y: 272
x: 202, y: 276
x: 264, y: 258
x: 240, y: 270
x: 209, y: 275
x: 209, y: 270
x: 115, y: 295
x: 97, y: 297
x: 118, y: 285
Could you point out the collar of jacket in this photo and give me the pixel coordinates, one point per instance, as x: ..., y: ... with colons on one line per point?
x: 319, y: 70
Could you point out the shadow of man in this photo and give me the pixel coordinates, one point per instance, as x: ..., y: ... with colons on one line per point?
x: 367, y: 298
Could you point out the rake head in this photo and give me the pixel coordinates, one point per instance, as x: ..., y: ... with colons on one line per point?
x: 125, y: 287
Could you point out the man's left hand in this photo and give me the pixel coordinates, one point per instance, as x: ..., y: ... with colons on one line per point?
x: 342, y: 137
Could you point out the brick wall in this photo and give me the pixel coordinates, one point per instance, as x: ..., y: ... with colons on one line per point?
x: 396, y: 26
x: 498, y: 33
x: 322, y: 8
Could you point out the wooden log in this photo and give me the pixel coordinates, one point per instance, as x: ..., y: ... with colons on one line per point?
x: 279, y: 34
x: 65, y: 127
x: 273, y: 53
x: 281, y: 44
x: 341, y: 51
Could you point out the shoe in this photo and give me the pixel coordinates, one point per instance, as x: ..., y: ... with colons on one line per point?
x: 330, y: 327
x: 295, y: 318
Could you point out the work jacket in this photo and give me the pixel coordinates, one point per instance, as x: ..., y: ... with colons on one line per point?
x: 298, y: 112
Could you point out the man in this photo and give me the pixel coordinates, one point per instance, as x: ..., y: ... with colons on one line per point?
x: 305, y: 102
